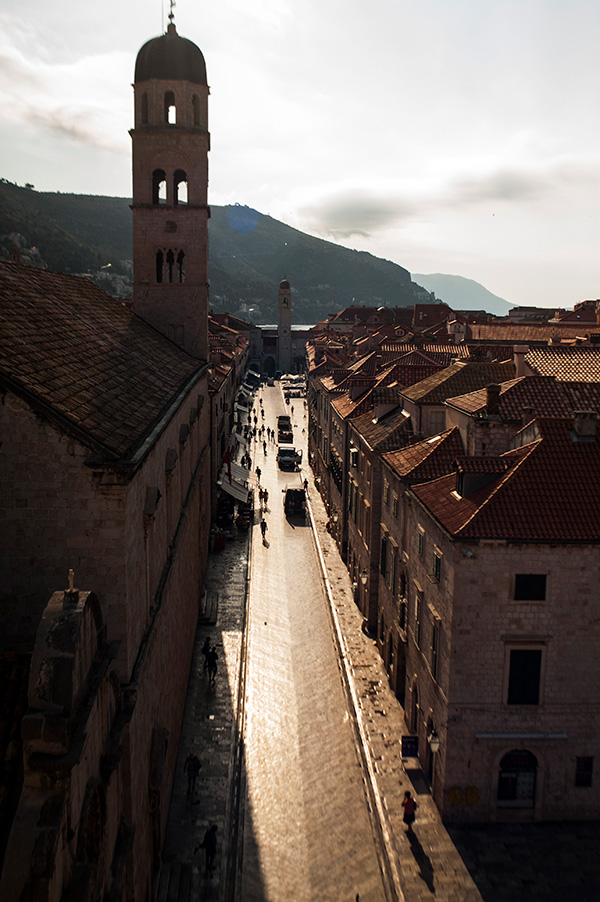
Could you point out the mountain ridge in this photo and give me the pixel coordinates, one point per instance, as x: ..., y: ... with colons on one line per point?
x: 250, y: 253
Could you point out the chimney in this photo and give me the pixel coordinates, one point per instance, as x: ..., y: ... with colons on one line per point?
x: 584, y: 423
x: 492, y: 400
x: 527, y: 415
x: 519, y: 356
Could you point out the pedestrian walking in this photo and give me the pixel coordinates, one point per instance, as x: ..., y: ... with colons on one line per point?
x: 263, y: 529
x: 205, y: 651
x: 209, y: 844
x: 305, y: 485
x: 212, y: 663
x: 258, y: 472
x: 191, y: 769
x: 410, y: 806
x: 266, y: 498
x: 265, y: 447
x: 261, y: 496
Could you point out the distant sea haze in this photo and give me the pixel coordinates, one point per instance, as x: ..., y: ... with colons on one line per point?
x: 295, y: 328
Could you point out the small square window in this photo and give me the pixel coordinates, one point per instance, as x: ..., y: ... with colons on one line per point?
x: 530, y: 587
x: 583, y: 771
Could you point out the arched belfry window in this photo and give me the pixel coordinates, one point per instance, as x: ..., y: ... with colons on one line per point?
x: 160, y: 265
x: 180, y: 187
x: 170, y: 266
x: 170, y: 108
x: 144, y: 109
x: 181, y: 266
x: 159, y: 187
x: 196, y: 109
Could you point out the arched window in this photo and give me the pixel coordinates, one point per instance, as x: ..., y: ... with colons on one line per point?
x: 170, y: 266
x: 159, y: 187
x: 516, y: 780
x: 196, y: 109
x: 144, y: 109
x: 180, y: 187
x: 170, y: 108
x: 181, y: 266
x: 160, y: 266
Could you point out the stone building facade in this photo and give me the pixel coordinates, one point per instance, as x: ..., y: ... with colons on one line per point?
x: 502, y: 647
x: 105, y: 470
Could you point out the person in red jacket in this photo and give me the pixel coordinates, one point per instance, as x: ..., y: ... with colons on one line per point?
x: 410, y: 806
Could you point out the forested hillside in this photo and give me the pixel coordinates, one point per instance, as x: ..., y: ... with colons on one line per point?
x: 249, y: 255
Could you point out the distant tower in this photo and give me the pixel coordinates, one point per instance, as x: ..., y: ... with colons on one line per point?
x: 170, y: 184
x: 284, y: 327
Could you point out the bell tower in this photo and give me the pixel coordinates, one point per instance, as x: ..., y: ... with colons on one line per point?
x: 170, y: 144
x: 284, y: 327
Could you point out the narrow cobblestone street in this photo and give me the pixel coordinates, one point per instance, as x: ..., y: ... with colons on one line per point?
x: 306, y: 762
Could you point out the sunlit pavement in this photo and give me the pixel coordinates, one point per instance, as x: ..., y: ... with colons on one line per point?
x: 306, y: 830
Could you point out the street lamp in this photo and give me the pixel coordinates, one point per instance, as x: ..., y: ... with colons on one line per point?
x: 364, y: 577
x: 434, y: 746
x: 336, y: 517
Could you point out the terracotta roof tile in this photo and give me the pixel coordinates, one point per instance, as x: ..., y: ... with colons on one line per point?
x: 385, y: 433
x: 542, y: 497
x: 529, y: 332
x: 66, y: 343
x: 427, y: 459
x: 546, y: 396
x: 567, y: 364
x: 458, y: 378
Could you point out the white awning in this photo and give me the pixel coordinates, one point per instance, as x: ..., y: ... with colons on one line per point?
x: 236, y: 489
x: 238, y: 472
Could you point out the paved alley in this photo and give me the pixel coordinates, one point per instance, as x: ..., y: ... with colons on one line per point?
x: 300, y: 751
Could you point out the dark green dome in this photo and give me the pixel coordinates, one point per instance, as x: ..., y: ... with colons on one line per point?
x: 170, y: 58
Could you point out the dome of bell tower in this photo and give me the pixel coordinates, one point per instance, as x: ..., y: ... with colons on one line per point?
x: 170, y: 57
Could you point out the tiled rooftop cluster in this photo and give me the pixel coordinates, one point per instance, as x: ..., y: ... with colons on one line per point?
x: 462, y: 478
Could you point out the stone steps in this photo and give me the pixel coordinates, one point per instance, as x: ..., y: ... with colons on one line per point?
x: 174, y: 882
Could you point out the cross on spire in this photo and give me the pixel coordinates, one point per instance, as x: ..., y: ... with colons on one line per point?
x: 172, y: 14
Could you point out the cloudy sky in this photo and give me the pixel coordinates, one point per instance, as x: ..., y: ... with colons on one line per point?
x: 450, y: 136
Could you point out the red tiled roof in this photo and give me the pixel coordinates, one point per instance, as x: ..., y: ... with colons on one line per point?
x: 482, y: 465
x: 528, y: 332
x: 427, y: 459
x: 550, y: 493
x: 386, y: 433
x: 459, y: 378
x: 66, y: 343
x: 544, y: 394
x: 572, y: 363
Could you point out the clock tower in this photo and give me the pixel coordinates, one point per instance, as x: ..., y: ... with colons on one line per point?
x: 284, y: 327
x: 170, y: 185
